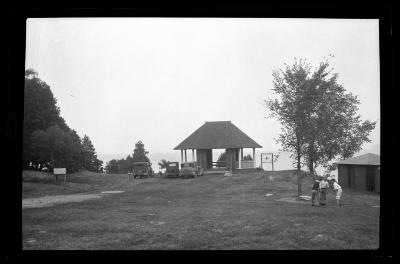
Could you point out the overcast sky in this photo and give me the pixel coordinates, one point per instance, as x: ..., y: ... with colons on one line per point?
x: 120, y: 80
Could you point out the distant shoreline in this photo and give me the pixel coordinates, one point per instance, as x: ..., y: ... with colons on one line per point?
x: 284, y: 161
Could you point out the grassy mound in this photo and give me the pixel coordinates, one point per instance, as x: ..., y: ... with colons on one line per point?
x: 37, y: 183
x: 47, y: 177
x: 37, y: 176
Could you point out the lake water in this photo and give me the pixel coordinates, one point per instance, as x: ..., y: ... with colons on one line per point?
x: 284, y: 161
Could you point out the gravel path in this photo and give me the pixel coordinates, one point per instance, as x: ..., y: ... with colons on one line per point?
x: 56, y: 199
x: 46, y: 201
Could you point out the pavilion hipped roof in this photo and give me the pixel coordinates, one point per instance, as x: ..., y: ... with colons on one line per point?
x: 217, y: 135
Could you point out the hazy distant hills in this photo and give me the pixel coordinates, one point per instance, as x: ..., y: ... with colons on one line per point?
x: 284, y: 161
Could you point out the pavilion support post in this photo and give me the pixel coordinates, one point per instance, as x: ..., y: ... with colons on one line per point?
x: 193, y: 155
x: 254, y: 157
x: 240, y: 158
x: 185, y: 156
x: 181, y: 155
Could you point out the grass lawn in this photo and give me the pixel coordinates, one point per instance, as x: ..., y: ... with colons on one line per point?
x: 209, y: 212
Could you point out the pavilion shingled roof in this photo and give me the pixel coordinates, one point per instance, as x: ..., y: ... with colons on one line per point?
x: 217, y: 135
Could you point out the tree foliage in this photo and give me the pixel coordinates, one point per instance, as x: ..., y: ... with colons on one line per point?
x: 57, y: 148
x: 222, y: 157
x: 90, y: 161
x: 140, y: 153
x: 126, y: 165
x: 113, y: 166
x: 247, y: 157
x: 318, y: 116
x: 47, y: 139
x: 163, y: 164
x: 40, y: 111
x: 291, y: 84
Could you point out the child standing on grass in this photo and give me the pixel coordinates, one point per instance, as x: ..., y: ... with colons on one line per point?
x: 338, y: 190
x: 315, y: 192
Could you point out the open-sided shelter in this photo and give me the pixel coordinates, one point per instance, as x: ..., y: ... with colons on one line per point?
x: 362, y: 172
x: 218, y: 135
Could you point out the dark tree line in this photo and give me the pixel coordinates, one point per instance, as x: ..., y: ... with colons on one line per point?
x: 222, y: 157
x: 47, y: 140
x: 139, y: 154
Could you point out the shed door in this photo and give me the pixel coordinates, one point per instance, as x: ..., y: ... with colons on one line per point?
x: 370, y: 178
x: 352, y: 176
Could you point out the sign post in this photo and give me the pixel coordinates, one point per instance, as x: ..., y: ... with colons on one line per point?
x: 58, y: 171
x: 267, y: 158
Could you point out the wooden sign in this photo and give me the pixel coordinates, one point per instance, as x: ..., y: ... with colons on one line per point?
x: 58, y: 171
x: 267, y: 158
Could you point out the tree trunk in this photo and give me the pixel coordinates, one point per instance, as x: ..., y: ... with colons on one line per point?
x: 298, y: 170
x: 311, y: 167
x: 310, y: 160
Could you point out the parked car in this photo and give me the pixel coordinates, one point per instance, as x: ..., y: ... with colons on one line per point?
x: 190, y: 169
x: 172, y: 169
x: 142, y: 169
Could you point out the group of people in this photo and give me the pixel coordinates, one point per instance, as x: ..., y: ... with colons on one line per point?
x: 320, y: 188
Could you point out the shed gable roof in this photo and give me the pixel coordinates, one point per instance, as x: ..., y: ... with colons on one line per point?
x: 217, y: 135
x: 366, y: 159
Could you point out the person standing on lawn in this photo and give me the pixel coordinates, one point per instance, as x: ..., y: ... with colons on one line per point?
x: 338, y: 190
x: 315, y: 192
x: 323, y: 188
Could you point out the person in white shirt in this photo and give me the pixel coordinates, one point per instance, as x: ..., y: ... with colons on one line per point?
x: 338, y: 190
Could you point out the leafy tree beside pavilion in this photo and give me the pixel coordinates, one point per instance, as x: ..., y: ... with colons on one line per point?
x: 319, y: 118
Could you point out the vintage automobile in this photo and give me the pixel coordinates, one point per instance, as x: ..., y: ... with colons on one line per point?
x: 172, y: 169
x: 142, y: 169
x: 190, y: 169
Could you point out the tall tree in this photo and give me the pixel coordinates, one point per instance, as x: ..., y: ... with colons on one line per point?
x: 129, y: 163
x: 58, y: 148
x: 112, y: 166
x: 46, y: 136
x: 40, y: 111
x: 91, y: 163
x: 139, y: 153
x: 334, y: 128
x: 290, y: 109
x: 126, y: 165
x: 319, y: 118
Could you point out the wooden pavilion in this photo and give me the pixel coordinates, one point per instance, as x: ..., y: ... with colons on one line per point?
x: 218, y: 135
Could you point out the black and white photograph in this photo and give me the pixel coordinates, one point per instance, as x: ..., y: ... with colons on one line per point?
x: 201, y: 133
